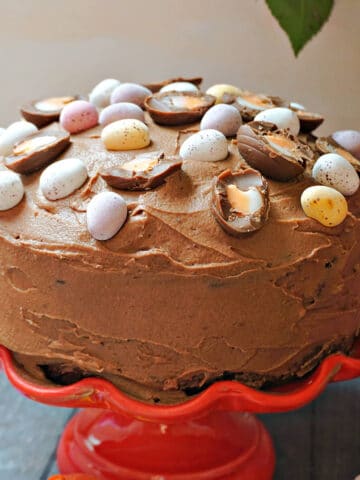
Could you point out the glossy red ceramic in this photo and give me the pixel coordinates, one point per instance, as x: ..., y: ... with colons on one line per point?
x: 211, y: 436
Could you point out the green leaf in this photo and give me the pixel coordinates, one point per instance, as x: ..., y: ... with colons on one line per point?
x: 301, y: 19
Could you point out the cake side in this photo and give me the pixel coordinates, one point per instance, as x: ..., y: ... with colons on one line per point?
x: 172, y: 302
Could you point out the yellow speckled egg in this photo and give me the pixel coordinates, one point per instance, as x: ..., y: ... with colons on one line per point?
x: 220, y: 89
x: 324, y: 204
x: 126, y: 134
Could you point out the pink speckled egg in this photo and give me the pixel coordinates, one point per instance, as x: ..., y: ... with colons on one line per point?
x: 106, y: 214
x: 78, y: 116
x: 121, y: 111
x: 348, y: 139
x: 130, y: 92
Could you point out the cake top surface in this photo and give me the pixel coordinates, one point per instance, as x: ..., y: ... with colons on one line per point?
x: 170, y: 227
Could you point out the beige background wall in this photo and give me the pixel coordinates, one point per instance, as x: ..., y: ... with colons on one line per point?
x: 65, y: 46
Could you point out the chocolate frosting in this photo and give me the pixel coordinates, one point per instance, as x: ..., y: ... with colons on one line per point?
x: 172, y: 302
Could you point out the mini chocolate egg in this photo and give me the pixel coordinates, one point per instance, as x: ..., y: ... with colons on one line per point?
x: 324, y: 204
x: 179, y: 87
x: 335, y: 171
x: 350, y: 140
x: 127, y: 134
x: 106, y: 214
x: 101, y: 93
x: 222, y: 89
x: 15, y: 133
x: 11, y: 189
x: 224, y: 118
x: 78, y: 116
x: 62, y: 178
x: 120, y: 111
x: 207, y: 146
x: 130, y: 92
x: 283, y: 118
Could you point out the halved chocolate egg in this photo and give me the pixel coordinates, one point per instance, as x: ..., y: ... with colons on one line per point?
x: 329, y: 145
x: 178, y: 108
x: 156, y: 86
x: 308, y: 120
x: 250, y: 104
x: 145, y: 172
x: 275, y: 153
x: 37, y: 151
x: 240, y: 201
x: 43, y: 112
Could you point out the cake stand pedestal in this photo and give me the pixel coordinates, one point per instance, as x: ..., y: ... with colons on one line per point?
x: 212, y: 436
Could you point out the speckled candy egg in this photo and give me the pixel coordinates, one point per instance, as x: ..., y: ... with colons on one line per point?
x: 130, y: 92
x: 283, y: 118
x: 16, y: 132
x: 206, y: 145
x: 101, y: 93
x: 324, y: 204
x: 350, y: 140
x: 106, y: 214
x: 121, y: 111
x: 62, y: 178
x: 335, y: 171
x: 11, y: 190
x: 224, y: 118
x: 221, y: 89
x: 128, y: 134
x: 179, y: 87
x: 78, y: 116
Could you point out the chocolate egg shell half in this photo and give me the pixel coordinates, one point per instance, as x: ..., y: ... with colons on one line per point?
x: 156, y: 86
x: 329, y: 145
x: 43, y: 112
x: 145, y: 172
x: 275, y: 153
x: 37, y: 151
x: 308, y: 120
x: 240, y: 201
x: 250, y: 104
x: 178, y: 108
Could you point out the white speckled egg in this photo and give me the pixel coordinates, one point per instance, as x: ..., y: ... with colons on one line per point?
x: 180, y: 87
x: 224, y: 118
x: 62, y: 178
x: 283, y: 118
x: 106, y: 214
x: 207, y: 146
x: 335, y: 171
x: 101, y: 93
x: 11, y: 190
x: 15, y: 133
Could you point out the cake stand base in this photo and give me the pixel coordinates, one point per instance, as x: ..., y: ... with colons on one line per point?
x: 219, y: 445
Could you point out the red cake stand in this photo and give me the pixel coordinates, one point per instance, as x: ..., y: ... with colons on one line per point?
x: 212, y: 436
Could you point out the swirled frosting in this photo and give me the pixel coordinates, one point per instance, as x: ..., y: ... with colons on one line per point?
x: 172, y: 302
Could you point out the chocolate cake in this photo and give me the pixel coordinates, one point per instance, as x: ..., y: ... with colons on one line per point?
x: 179, y: 297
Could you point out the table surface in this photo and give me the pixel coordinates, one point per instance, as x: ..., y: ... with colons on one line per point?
x: 318, y: 442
